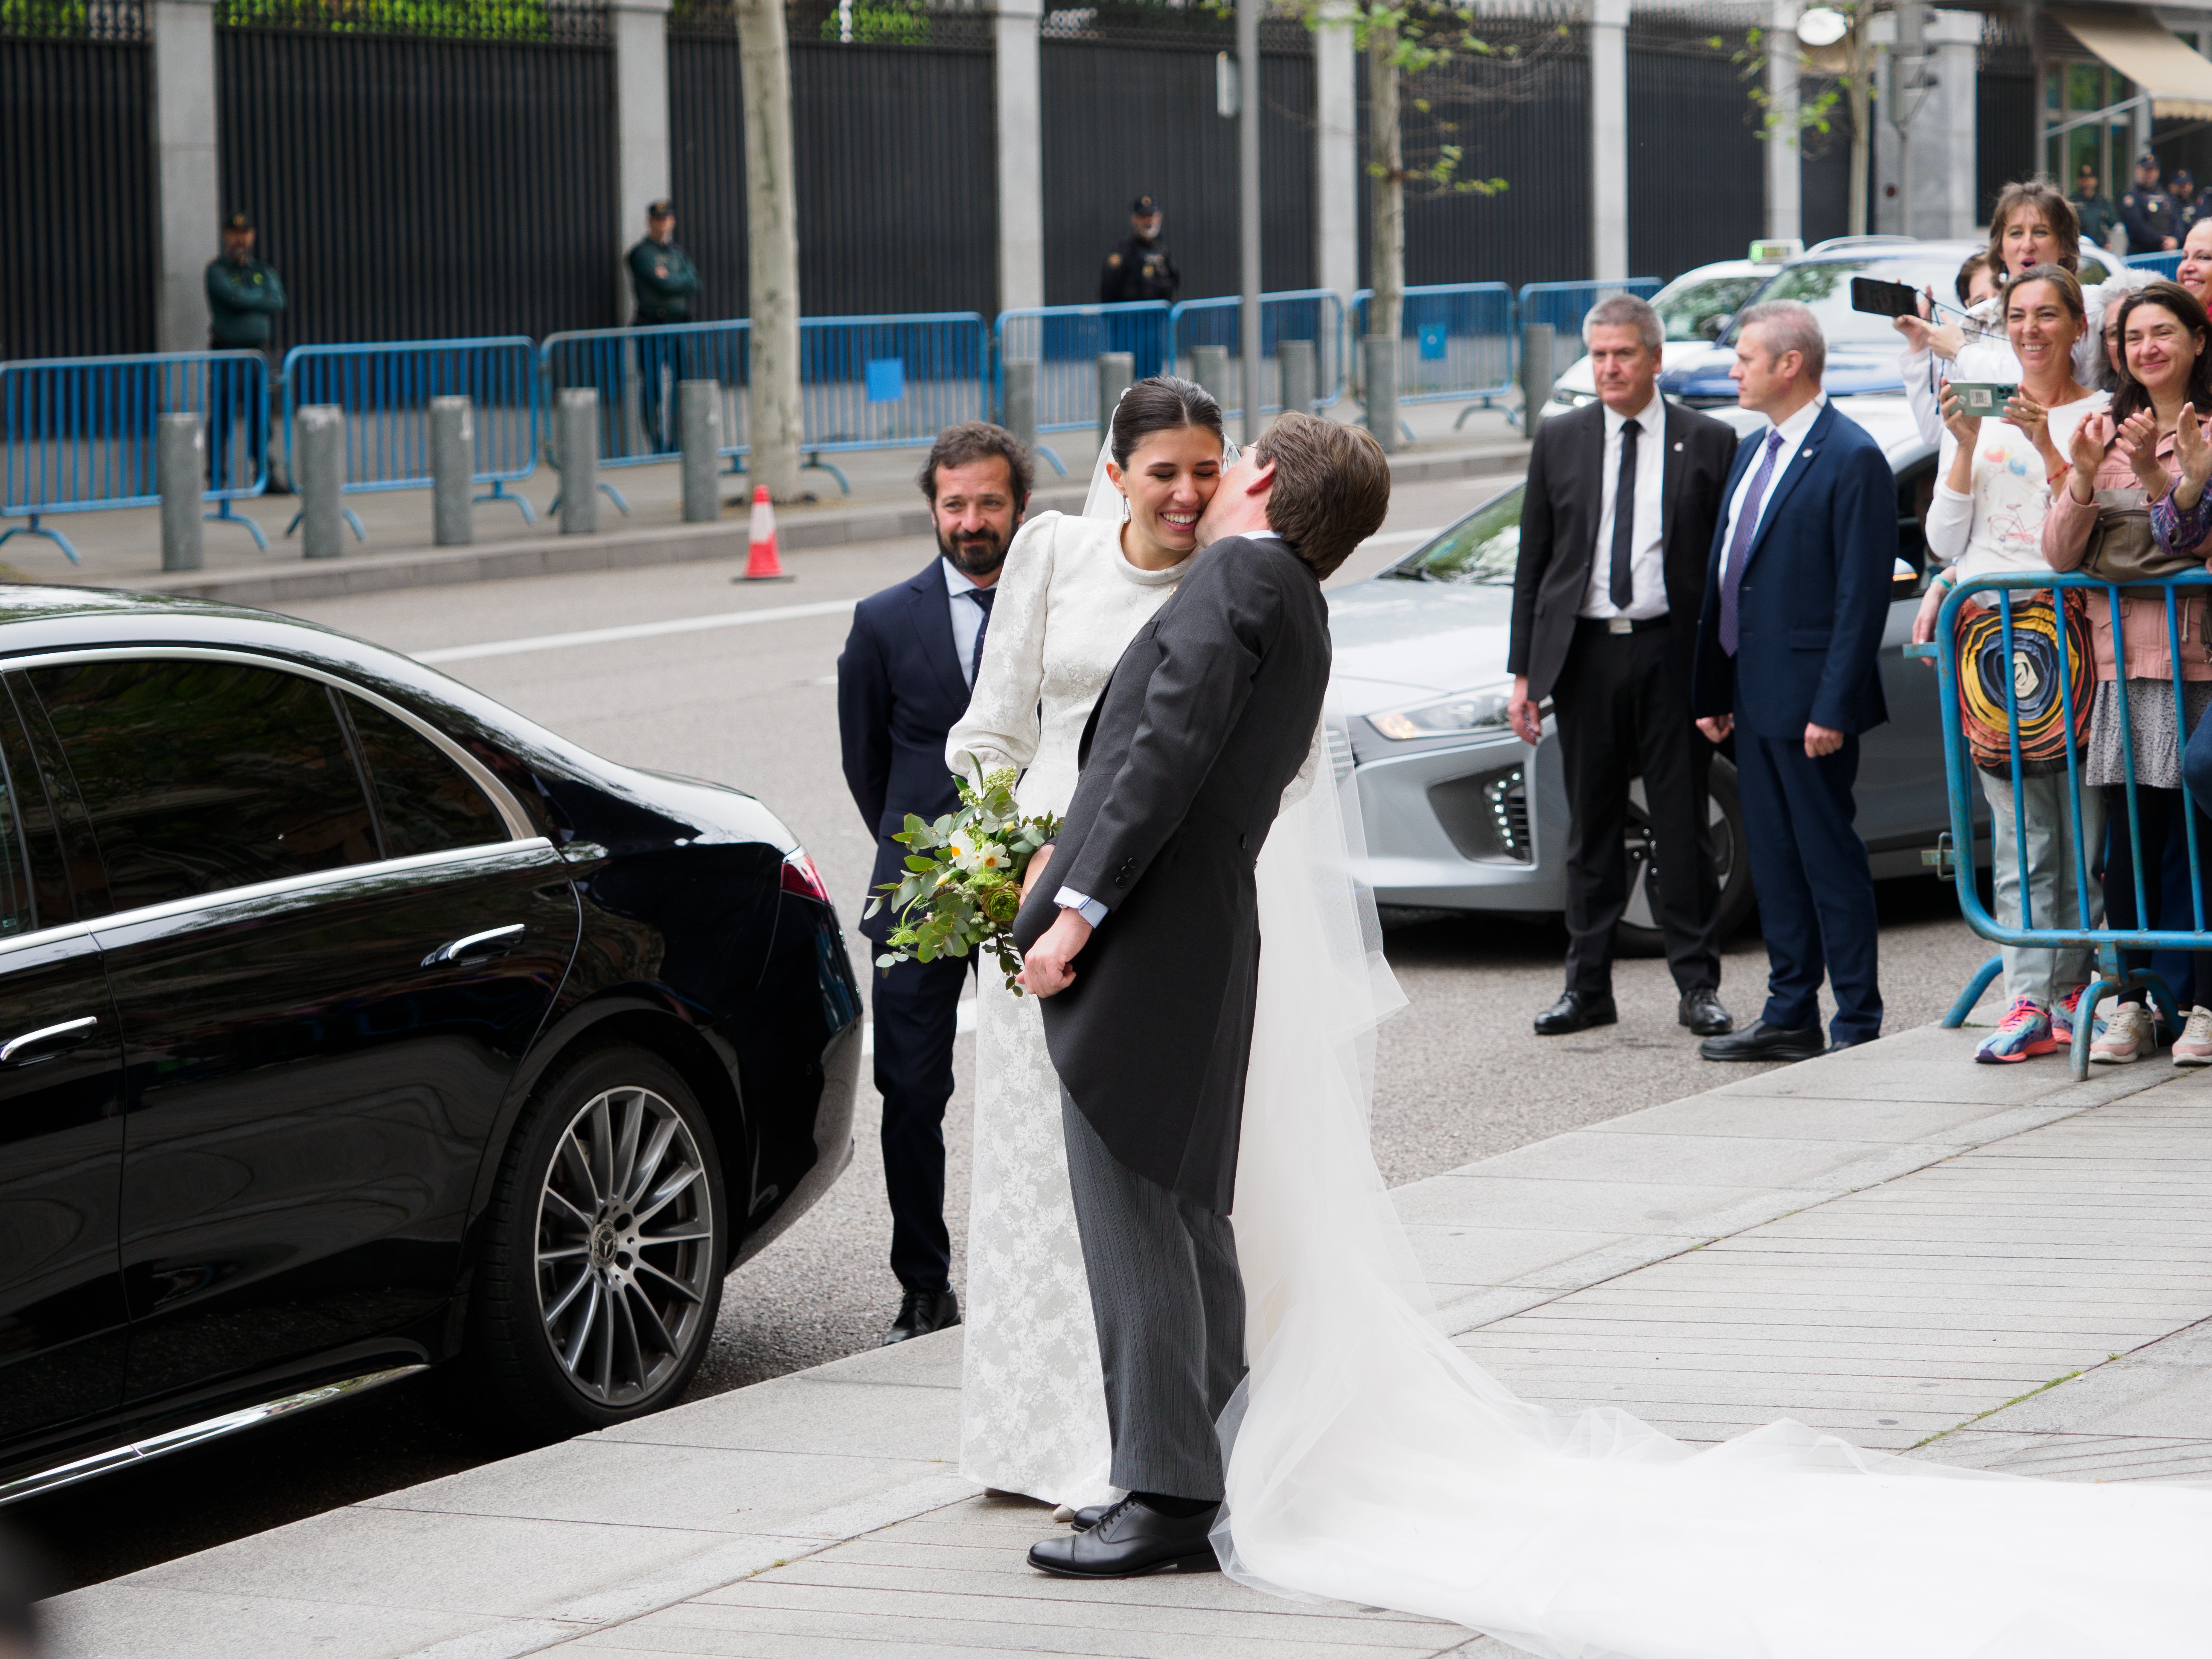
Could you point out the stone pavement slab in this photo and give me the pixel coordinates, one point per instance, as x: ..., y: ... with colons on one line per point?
x: 1993, y: 1267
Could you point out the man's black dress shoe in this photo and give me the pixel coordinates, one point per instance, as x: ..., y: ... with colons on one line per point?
x: 1575, y: 1011
x: 1702, y: 1013
x: 1089, y: 1516
x: 1842, y: 1043
x: 1130, y: 1538
x: 1760, y: 1040
x: 922, y: 1312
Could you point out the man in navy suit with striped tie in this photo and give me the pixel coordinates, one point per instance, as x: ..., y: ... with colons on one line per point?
x: 1795, y: 604
x: 902, y: 681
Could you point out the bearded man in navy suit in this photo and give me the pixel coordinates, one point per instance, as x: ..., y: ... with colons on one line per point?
x: 902, y: 681
x: 1796, y: 600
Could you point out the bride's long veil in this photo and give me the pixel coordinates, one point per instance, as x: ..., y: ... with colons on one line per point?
x: 1371, y: 1460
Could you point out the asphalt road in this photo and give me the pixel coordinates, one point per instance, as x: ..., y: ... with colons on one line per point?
x: 1459, y: 1073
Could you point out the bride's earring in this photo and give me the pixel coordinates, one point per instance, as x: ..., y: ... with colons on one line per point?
x: 1125, y: 509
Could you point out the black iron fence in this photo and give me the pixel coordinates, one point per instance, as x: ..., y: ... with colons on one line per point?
x: 77, y: 263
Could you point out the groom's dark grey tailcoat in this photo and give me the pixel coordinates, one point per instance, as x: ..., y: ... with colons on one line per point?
x: 1207, y: 717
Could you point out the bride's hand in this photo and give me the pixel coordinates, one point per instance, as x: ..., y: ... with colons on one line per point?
x: 1038, y: 859
x: 1046, y: 970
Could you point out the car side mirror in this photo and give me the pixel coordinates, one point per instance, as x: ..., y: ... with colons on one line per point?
x: 1717, y: 324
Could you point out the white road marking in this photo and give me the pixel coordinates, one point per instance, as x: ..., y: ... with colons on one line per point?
x: 635, y: 631
x: 776, y: 613
x: 962, y: 1025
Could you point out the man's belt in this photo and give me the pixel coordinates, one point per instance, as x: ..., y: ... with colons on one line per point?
x: 1618, y: 624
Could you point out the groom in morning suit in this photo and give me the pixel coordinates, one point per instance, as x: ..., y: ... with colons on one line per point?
x: 902, y: 681
x: 1795, y: 604
x: 1206, y: 718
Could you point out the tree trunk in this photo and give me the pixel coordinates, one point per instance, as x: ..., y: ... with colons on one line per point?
x: 1387, y: 180
x: 774, y: 431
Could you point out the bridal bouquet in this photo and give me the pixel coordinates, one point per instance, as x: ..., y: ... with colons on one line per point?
x: 963, y: 883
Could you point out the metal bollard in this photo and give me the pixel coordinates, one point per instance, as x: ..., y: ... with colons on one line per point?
x: 453, y: 469
x: 1020, y: 412
x: 1295, y: 366
x: 1536, y: 344
x: 576, y: 448
x: 1381, y: 353
x: 699, y: 428
x: 1209, y: 367
x: 180, y: 473
x: 319, y: 466
x: 1117, y: 373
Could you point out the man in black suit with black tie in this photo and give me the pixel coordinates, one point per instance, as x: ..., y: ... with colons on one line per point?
x: 902, y: 681
x: 1616, y: 526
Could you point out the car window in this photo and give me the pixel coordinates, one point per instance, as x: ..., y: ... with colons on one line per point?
x: 1484, y: 547
x: 198, y: 776
x: 1688, y: 308
x: 17, y: 914
x: 426, y: 803
x: 1826, y: 286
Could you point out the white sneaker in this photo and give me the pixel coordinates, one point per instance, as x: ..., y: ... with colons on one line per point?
x: 2128, y: 1035
x: 2194, y: 1046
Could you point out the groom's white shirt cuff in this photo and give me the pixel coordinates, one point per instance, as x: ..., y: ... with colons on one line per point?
x: 1089, y: 909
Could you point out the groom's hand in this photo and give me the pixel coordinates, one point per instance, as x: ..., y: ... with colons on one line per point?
x: 1045, y: 970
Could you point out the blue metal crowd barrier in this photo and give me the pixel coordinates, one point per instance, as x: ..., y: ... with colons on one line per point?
x: 883, y: 382
x: 1306, y: 313
x: 2166, y: 264
x: 635, y: 371
x: 1455, y: 340
x: 1960, y: 774
x: 1066, y: 342
x: 386, y: 391
x: 1564, y: 306
x: 80, y: 434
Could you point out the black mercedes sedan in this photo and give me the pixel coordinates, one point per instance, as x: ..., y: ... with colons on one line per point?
x: 351, y: 1024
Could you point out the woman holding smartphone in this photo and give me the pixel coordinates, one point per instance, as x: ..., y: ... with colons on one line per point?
x: 1987, y: 516
x: 2167, y: 377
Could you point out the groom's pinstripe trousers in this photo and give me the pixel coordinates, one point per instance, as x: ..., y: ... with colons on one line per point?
x: 1169, y: 1303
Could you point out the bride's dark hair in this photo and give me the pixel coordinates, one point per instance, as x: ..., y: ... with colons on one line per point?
x: 1164, y: 402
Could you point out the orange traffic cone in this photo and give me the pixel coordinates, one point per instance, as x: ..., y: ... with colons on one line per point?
x: 761, y: 564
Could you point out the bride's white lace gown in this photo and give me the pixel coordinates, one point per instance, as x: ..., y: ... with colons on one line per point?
x: 1032, y: 1404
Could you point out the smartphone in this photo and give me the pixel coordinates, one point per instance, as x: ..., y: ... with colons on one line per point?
x: 1882, y: 299
x: 1984, y: 397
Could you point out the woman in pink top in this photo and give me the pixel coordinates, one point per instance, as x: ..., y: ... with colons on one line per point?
x: 2166, y: 346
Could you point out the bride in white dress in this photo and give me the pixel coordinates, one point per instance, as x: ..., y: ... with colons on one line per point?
x: 1073, y: 593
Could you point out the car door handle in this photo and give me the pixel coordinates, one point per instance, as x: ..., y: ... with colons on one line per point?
x: 472, y: 947
x: 45, y: 1041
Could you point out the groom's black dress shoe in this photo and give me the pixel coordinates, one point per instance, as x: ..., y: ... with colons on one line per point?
x: 1760, y: 1040
x: 1702, y: 1013
x: 922, y: 1312
x: 1130, y: 1539
x: 1575, y: 1011
x: 1089, y: 1516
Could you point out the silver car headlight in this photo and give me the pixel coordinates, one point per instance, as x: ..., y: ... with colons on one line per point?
x: 1467, y: 711
x: 1567, y: 399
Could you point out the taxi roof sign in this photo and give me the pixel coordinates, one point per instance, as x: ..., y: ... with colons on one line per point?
x: 1774, y: 251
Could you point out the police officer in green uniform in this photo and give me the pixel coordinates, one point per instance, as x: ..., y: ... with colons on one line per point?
x: 1139, y: 268
x: 2153, y: 224
x: 2093, y: 208
x: 244, y: 297
x: 662, y: 278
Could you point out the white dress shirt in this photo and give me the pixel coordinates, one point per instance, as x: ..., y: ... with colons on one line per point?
x: 967, y: 615
x: 1647, y: 546
x: 1793, y: 431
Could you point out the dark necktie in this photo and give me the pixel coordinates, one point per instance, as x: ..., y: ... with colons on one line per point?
x: 982, y: 596
x: 1623, y: 520
x: 1747, y: 526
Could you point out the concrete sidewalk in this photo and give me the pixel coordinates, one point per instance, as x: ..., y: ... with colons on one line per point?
x: 1987, y: 1266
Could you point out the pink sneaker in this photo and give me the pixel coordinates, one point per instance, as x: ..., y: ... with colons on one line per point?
x: 2063, y: 1017
x: 2194, y: 1046
x: 2128, y: 1034
x: 2024, y: 1031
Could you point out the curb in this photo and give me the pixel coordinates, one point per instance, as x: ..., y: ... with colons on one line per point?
x: 379, y: 573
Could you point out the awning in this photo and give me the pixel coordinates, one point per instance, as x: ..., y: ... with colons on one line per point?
x: 2144, y: 50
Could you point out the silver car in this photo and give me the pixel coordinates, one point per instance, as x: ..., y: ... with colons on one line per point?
x: 1462, y: 815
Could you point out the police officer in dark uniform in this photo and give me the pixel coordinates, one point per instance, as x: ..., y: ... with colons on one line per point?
x: 2153, y: 224
x: 2188, y: 204
x: 2092, y: 208
x: 662, y: 278
x: 1140, y: 269
x: 243, y: 298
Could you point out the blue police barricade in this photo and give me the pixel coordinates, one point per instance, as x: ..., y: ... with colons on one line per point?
x: 1564, y: 306
x: 1455, y: 340
x: 635, y: 371
x: 1066, y: 342
x: 1306, y: 313
x: 386, y: 392
x: 79, y: 433
x: 885, y: 382
x: 2163, y: 264
x: 2001, y: 679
